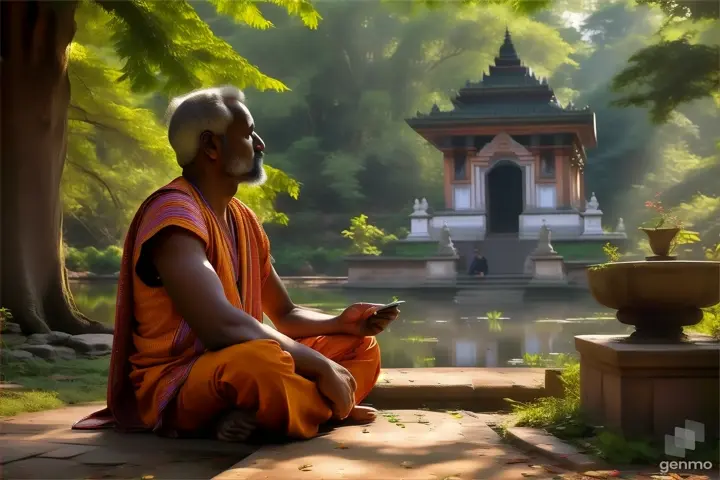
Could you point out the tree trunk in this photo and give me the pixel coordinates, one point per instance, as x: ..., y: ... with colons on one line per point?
x: 35, y: 95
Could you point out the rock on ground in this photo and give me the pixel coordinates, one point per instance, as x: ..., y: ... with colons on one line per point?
x: 46, y: 352
x: 16, y: 355
x: 92, y: 344
x: 58, y: 338
x: 12, y: 340
x: 54, y: 345
x: 11, y: 327
x: 38, y: 339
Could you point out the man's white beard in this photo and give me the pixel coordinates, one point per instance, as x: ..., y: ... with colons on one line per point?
x: 235, y: 168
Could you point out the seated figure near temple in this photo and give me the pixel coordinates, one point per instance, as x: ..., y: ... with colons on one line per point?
x: 479, y: 265
x: 191, y: 354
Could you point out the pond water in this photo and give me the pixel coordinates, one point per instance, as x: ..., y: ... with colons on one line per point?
x: 434, y: 332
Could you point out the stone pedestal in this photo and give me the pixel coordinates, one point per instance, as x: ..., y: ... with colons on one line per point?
x: 592, y: 223
x: 419, y: 227
x: 548, y: 269
x: 441, y: 269
x: 650, y: 389
x: 420, y: 221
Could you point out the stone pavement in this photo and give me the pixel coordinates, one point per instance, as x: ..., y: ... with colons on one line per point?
x: 42, y: 446
x: 404, y: 444
x: 400, y: 445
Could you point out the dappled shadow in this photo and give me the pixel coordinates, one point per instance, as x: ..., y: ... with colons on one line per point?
x: 437, y: 448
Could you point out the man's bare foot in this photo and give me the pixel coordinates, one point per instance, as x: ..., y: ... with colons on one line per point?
x: 236, y: 426
x: 361, y: 414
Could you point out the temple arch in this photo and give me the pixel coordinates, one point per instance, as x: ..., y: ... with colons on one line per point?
x: 505, y: 187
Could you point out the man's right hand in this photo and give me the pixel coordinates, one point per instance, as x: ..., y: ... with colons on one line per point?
x: 337, y: 384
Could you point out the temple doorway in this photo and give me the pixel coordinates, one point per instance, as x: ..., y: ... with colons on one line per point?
x: 505, y: 198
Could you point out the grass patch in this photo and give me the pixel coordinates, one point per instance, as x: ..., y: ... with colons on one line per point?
x: 563, y: 418
x: 591, y: 251
x: 410, y: 249
x: 49, y: 385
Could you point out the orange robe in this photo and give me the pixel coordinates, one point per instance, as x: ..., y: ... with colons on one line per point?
x: 162, y: 377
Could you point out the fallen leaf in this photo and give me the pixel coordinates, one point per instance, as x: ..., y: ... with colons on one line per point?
x: 548, y: 468
x: 602, y: 473
x: 341, y: 447
x: 526, y: 474
x: 365, y: 430
x: 305, y: 468
x: 406, y: 464
x: 514, y: 460
x: 697, y: 477
x: 551, y: 469
x: 147, y: 477
x: 400, y: 425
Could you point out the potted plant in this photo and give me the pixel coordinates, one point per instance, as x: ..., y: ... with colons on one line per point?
x: 664, y: 229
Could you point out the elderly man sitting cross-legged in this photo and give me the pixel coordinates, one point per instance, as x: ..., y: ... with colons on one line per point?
x: 190, y: 352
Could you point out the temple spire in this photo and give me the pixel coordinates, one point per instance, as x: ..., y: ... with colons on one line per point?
x: 507, y: 56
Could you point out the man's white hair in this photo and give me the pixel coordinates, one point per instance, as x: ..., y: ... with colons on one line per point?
x: 190, y: 115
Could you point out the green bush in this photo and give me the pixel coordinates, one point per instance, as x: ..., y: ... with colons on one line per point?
x: 292, y: 260
x: 710, y: 324
x: 90, y: 259
x: 564, y: 418
x: 554, y: 413
x: 366, y: 238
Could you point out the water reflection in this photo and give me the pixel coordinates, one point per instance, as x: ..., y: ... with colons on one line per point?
x: 433, y: 331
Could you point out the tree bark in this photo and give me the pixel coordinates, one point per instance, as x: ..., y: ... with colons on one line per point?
x: 36, y: 37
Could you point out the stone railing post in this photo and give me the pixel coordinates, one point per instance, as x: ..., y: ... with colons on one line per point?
x: 420, y: 221
x: 592, y: 217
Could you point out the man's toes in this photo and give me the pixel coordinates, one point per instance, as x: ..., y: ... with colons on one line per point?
x: 234, y: 436
x: 362, y: 414
x: 236, y: 426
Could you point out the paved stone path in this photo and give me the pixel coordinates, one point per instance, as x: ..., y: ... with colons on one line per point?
x: 404, y: 444
x: 400, y: 445
x: 42, y: 446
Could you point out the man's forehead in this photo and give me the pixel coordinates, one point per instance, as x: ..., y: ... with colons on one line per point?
x: 240, y: 112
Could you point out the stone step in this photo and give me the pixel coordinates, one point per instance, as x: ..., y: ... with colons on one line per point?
x: 489, y: 283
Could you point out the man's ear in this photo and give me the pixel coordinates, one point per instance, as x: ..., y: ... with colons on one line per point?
x: 210, y: 144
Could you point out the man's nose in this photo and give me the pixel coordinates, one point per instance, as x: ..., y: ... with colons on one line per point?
x: 258, y: 143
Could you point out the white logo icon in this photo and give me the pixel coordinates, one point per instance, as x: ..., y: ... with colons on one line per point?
x: 684, y: 439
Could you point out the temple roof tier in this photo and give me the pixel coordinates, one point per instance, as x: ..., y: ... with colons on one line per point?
x: 510, y: 93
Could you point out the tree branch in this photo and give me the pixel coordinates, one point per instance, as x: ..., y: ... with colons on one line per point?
x: 437, y: 63
x: 95, y: 176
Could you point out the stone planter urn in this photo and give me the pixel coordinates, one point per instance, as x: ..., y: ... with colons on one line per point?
x: 659, y: 297
x: 661, y: 241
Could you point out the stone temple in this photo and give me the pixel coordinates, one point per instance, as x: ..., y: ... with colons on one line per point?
x: 513, y: 160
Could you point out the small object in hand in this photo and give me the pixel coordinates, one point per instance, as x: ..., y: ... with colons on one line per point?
x: 389, y: 306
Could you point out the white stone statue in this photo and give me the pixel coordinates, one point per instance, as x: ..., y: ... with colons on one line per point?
x: 544, y: 246
x: 620, y: 226
x: 424, y: 205
x: 592, y: 205
x: 446, y: 246
x: 416, y: 206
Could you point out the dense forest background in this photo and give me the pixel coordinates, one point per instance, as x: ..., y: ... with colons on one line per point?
x: 337, y: 143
